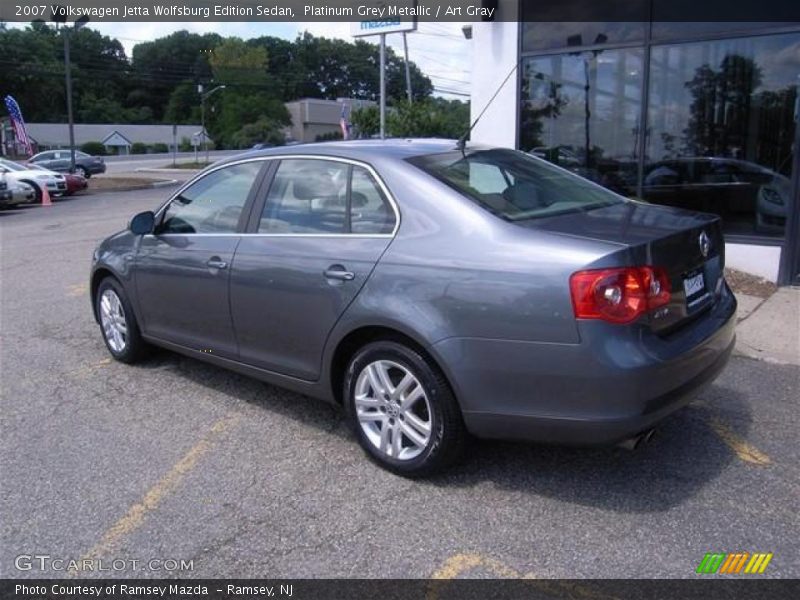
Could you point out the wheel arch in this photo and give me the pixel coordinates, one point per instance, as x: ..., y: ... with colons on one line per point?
x: 97, y: 277
x: 357, y: 338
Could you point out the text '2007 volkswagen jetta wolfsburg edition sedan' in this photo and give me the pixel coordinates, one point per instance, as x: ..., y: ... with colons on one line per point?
x: 433, y: 289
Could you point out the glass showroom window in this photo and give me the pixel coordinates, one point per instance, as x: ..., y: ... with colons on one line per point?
x: 721, y: 127
x: 582, y: 110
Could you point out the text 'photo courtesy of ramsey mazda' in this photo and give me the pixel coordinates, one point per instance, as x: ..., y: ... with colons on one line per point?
x: 434, y: 289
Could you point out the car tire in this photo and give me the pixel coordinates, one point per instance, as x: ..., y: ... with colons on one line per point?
x: 402, y: 409
x: 37, y: 192
x: 82, y: 172
x: 118, y: 324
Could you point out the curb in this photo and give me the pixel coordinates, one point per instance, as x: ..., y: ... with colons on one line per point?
x: 132, y: 188
x: 159, y: 170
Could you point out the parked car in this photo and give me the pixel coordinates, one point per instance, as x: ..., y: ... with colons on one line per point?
x: 746, y: 195
x: 6, y: 196
x: 432, y: 290
x: 54, y: 182
x: 75, y: 183
x: 13, y: 193
x: 60, y: 160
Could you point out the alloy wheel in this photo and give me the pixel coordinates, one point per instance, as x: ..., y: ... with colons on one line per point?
x: 112, y: 318
x: 393, y: 410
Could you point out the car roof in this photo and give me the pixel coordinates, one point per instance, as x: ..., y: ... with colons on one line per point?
x: 364, y: 150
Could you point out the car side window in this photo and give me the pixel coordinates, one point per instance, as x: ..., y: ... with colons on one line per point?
x: 212, y: 204
x: 306, y: 196
x: 370, y: 211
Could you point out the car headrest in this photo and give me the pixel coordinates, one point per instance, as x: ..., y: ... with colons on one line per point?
x: 523, y: 195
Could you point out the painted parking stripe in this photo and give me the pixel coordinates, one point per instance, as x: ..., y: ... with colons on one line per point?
x: 459, y: 564
x: 138, y: 512
x: 741, y: 447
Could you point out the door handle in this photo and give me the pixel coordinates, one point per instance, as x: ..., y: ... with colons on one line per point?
x: 338, y: 272
x: 215, y: 263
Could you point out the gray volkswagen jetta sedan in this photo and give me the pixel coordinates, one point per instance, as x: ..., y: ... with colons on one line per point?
x: 435, y: 290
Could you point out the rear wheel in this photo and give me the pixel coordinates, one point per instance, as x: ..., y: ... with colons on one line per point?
x: 118, y: 323
x: 82, y: 172
x: 402, y: 409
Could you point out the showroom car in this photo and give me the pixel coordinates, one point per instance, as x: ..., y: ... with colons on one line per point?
x: 434, y: 289
x: 36, y: 178
x: 86, y: 165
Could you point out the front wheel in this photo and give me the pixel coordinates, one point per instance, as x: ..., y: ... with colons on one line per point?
x: 82, y: 172
x: 402, y: 409
x: 118, y: 323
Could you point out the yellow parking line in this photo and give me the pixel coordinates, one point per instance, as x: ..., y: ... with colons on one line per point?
x: 744, y: 450
x: 137, y: 513
x: 459, y: 564
x: 77, y: 289
x: 89, y: 369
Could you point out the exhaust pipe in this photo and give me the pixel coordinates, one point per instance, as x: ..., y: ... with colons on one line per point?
x: 636, y: 441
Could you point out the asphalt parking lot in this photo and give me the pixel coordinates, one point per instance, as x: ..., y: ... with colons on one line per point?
x: 175, y: 459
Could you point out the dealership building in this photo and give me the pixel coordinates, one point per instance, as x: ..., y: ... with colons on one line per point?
x: 698, y: 115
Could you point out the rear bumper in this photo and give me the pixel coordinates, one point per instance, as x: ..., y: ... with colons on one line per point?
x: 614, y: 384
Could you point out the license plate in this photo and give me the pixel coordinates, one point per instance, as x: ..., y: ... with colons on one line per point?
x: 694, y: 285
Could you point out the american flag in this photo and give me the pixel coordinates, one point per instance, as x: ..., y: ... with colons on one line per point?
x: 344, y: 124
x: 18, y: 123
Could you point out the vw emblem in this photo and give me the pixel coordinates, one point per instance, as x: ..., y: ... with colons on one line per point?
x: 705, y: 244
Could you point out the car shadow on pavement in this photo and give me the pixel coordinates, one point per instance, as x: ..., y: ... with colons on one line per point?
x: 684, y: 455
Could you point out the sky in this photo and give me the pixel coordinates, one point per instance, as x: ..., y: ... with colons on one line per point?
x: 439, y: 49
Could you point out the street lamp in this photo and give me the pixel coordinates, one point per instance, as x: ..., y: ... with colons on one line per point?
x: 203, y: 112
x: 65, y: 33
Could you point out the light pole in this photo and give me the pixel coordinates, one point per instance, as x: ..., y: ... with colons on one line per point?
x: 203, y: 112
x: 65, y: 33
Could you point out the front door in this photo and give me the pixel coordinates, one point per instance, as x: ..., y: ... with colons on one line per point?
x: 323, y: 227
x: 183, y: 269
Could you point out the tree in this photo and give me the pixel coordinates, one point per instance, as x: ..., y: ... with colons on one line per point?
x: 435, y: 117
x: 366, y: 121
x: 247, y: 98
x: 262, y: 131
x: 163, y: 64
x: 719, y: 114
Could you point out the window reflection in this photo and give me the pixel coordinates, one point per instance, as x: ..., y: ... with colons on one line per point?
x: 720, y: 123
x: 721, y: 128
x: 581, y: 111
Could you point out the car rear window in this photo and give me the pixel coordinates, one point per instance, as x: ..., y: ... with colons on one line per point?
x: 513, y: 185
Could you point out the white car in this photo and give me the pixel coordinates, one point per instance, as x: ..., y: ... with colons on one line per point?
x: 37, y: 179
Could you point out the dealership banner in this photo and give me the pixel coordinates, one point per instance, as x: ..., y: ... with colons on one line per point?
x: 395, y: 11
x: 405, y: 589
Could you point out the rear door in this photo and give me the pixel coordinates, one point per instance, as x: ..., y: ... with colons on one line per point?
x: 311, y: 245
x: 183, y: 269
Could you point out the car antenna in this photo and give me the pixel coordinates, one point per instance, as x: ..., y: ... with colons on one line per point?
x: 462, y: 141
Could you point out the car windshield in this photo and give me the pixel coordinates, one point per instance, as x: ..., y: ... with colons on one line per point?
x: 514, y: 185
x: 11, y: 166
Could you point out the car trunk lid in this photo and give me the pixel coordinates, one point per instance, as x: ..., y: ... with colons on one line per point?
x: 688, y: 245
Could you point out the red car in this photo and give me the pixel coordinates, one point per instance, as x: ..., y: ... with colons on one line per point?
x: 75, y: 183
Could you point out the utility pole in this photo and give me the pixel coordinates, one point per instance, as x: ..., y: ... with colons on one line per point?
x: 66, y: 32
x: 383, y: 85
x: 203, y: 113
x: 408, y: 69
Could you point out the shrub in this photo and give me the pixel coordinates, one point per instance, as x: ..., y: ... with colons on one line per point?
x: 138, y: 148
x: 185, y: 145
x: 329, y: 136
x: 95, y: 148
x: 160, y: 148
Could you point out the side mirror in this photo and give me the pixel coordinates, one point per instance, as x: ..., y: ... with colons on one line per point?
x: 143, y: 223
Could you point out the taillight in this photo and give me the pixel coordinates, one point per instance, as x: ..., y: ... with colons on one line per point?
x: 618, y: 295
